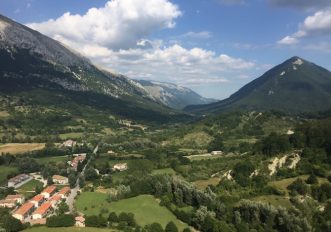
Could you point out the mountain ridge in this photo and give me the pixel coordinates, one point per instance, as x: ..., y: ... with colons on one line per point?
x: 294, y: 86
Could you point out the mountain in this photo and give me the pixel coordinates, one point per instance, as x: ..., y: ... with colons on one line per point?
x: 172, y: 95
x: 295, y: 86
x: 36, y: 65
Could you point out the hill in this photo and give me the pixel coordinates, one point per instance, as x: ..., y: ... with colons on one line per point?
x: 38, y: 71
x: 172, y: 95
x: 295, y: 86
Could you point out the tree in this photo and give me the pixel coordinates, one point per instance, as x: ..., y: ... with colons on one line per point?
x: 62, y: 208
x: 312, y: 179
x: 11, y: 224
x: 155, y: 227
x: 171, y: 227
x: 50, y: 180
x: 90, y: 174
x: 81, y: 182
x: 95, y: 221
x: 72, y: 180
x: 216, y: 144
x: 112, y: 217
x: 63, y: 220
x: 298, y: 186
x: 187, y: 230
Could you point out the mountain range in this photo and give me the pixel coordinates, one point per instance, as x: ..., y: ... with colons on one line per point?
x: 296, y: 86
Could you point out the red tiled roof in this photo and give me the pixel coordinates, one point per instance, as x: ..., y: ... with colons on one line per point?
x: 43, y: 208
x: 50, y: 189
x: 24, y: 208
x: 13, y: 197
x: 64, y: 190
x: 37, y: 198
x: 56, y: 198
x: 80, y: 219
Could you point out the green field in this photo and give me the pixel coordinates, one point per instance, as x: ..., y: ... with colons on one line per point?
x: 274, y: 200
x: 71, y: 135
x: 54, y: 159
x: 145, y: 207
x: 5, y: 171
x: 29, y: 188
x: 168, y: 171
x: 68, y: 229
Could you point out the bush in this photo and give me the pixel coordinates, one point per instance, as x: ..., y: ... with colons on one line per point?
x: 63, y: 220
x: 95, y: 221
x: 312, y: 179
x: 171, y: 227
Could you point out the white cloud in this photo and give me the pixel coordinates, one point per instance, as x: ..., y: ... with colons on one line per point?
x: 176, y: 64
x: 114, y: 37
x: 117, y: 25
x: 314, y: 25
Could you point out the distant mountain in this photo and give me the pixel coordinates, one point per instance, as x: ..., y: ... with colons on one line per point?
x: 295, y: 86
x: 172, y: 95
x: 33, y: 62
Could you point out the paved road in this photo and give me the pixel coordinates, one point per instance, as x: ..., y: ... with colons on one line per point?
x: 71, y: 198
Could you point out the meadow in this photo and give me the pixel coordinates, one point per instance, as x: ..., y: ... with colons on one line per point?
x: 19, y: 148
x: 145, y: 208
x: 5, y: 171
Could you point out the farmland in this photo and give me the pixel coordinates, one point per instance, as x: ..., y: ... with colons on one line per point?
x: 19, y: 148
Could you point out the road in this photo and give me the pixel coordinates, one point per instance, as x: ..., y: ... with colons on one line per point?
x: 71, y: 198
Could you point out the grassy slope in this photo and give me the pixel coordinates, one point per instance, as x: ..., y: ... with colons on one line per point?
x: 4, y: 171
x: 145, y: 207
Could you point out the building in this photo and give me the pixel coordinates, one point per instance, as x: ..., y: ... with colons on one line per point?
x: 55, y: 200
x: 57, y: 179
x: 69, y: 143
x: 49, y: 191
x: 5, y: 203
x: 37, y: 200
x: 216, y: 153
x: 120, y: 167
x: 80, y: 154
x: 17, y: 181
x: 64, y: 192
x: 41, y: 221
x: 19, y: 198
x: 76, y: 160
x: 42, y: 211
x: 24, y: 211
x: 11, y: 201
x: 80, y: 221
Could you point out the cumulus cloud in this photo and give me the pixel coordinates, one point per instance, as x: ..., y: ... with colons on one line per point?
x: 115, y: 37
x: 176, y: 64
x: 302, y: 4
x: 314, y: 25
x: 117, y: 25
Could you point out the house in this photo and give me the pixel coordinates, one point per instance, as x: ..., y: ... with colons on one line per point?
x: 18, y: 198
x: 24, y: 211
x: 80, y: 221
x: 49, y: 191
x: 19, y: 180
x: 77, y: 160
x: 5, y: 203
x: 57, y: 179
x: 216, y: 153
x: 55, y: 200
x: 42, y: 211
x: 37, y: 200
x: 110, y: 152
x: 80, y: 154
x: 120, y: 167
x: 69, y: 143
x: 64, y: 192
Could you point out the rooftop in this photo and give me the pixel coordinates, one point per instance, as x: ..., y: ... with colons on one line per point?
x: 58, y: 177
x: 56, y: 198
x: 24, y: 208
x: 37, y: 198
x: 64, y: 190
x: 49, y: 189
x: 43, y: 208
x: 13, y: 197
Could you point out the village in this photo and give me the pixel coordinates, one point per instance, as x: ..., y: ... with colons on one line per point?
x: 36, y: 209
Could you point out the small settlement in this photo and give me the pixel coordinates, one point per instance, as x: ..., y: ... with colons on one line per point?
x: 40, y: 206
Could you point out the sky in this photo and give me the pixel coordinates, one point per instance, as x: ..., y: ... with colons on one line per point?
x: 211, y: 46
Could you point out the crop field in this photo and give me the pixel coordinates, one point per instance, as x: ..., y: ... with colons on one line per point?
x: 19, y: 148
x: 145, y: 208
x: 203, y: 184
x: 68, y: 229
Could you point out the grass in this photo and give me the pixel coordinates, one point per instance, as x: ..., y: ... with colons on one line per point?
x: 145, y: 208
x: 4, y: 114
x: 5, y: 171
x: 164, y: 171
x: 19, y: 148
x: 274, y: 200
x: 73, y: 135
x: 203, y: 184
x: 68, y: 229
x: 54, y: 159
x: 203, y: 157
x: 28, y: 189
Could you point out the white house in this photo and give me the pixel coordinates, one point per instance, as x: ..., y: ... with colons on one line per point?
x: 24, y: 211
x: 57, y: 179
x: 120, y: 167
x: 42, y: 211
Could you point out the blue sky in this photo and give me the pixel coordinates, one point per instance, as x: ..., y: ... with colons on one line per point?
x: 211, y: 46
